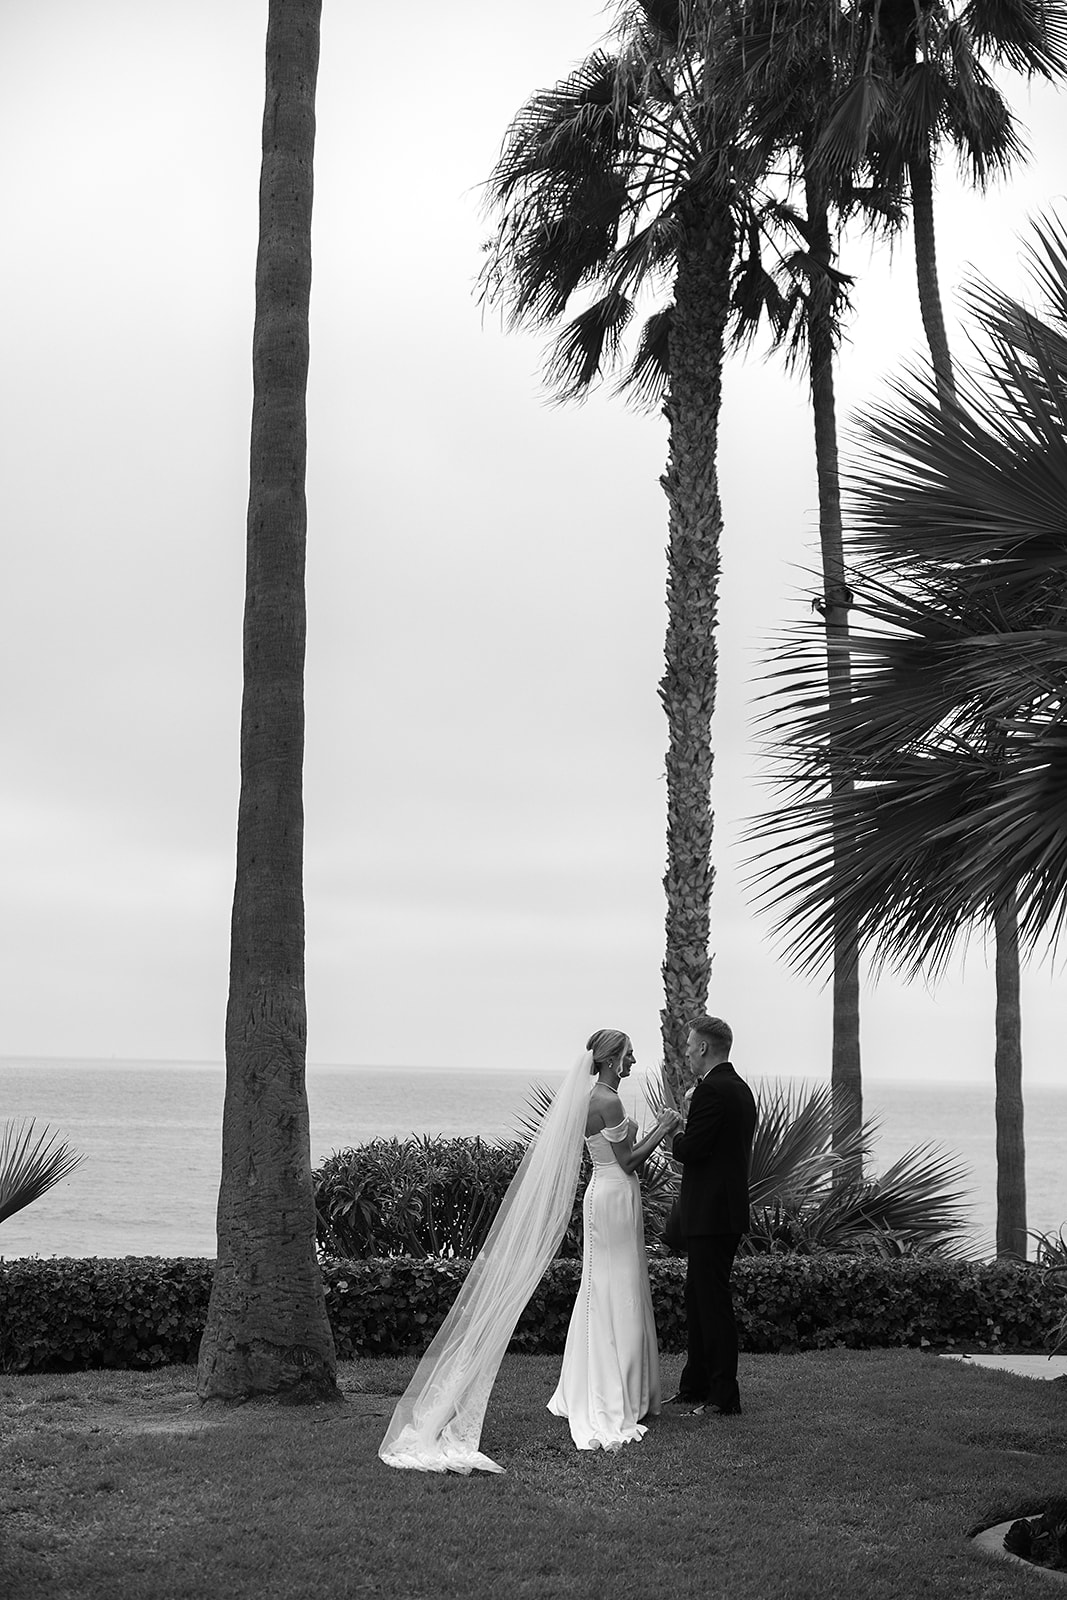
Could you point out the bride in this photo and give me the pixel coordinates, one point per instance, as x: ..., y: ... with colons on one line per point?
x: 610, y: 1377
x: 437, y: 1424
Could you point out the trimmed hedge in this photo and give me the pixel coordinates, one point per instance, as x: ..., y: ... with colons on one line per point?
x: 62, y: 1315
x: 70, y: 1313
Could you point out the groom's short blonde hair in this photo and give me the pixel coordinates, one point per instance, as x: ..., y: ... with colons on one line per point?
x: 715, y: 1031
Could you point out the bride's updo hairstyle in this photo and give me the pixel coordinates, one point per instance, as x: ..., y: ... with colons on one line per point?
x: 607, y: 1044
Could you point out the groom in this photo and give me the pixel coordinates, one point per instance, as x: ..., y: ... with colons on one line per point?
x: 714, y: 1150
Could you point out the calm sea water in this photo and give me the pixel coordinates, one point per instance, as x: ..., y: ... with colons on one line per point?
x: 150, y: 1133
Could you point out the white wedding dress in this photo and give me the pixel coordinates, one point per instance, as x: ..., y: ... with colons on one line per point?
x: 610, y: 1377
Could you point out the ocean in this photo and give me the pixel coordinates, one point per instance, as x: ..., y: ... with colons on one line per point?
x: 151, y: 1133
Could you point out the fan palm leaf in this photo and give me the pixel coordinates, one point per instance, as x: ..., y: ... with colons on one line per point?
x: 1025, y: 35
x: 30, y: 1166
x: 918, y: 1203
x: 956, y: 733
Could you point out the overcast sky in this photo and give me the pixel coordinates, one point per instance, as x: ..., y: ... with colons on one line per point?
x: 484, y: 788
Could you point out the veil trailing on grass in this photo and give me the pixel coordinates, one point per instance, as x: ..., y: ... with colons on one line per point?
x: 437, y: 1426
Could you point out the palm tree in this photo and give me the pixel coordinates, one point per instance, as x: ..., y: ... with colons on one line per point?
x: 629, y: 175
x: 916, y: 81
x: 878, y: 87
x: 790, y: 61
x: 267, y: 1329
x: 912, y: 79
x: 956, y: 730
x: 30, y: 1167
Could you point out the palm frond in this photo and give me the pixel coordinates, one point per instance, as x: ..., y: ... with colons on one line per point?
x: 982, y: 127
x: 984, y: 480
x: 561, y: 134
x: 663, y: 19
x: 843, y: 143
x: 919, y: 110
x: 1029, y: 36
x: 646, y: 379
x: 793, y: 1153
x: 548, y: 248
x: 30, y: 1167
x: 587, y: 344
x: 916, y: 1204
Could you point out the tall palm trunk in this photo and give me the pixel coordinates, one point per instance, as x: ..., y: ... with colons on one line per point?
x: 845, y: 1074
x: 1007, y: 1071
x: 267, y: 1329
x: 930, y: 307
x: 1011, y: 1147
x: 687, y: 689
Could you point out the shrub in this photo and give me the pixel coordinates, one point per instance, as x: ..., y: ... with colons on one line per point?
x: 799, y: 1205
x: 72, y: 1314
x: 437, y: 1197
x: 140, y: 1312
x: 412, y: 1197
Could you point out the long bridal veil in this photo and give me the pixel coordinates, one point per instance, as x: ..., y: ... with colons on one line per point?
x: 437, y: 1426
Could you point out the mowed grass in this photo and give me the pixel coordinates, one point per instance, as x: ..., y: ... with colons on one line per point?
x: 850, y: 1474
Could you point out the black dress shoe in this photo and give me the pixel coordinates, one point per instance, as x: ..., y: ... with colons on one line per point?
x: 715, y: 1411
x: 680, y: 1399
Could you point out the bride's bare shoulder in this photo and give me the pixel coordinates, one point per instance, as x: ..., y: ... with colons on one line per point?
x: 605, y: 1110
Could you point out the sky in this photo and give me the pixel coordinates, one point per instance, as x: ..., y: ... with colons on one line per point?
x: 484, y: 764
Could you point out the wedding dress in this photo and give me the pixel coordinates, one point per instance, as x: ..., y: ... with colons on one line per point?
x: 610, y: 1376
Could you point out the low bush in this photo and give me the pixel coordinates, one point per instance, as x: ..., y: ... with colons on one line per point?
x: 436, y: 1197
x: 94, y: 1312
x: 412, y: 1197
x: 60, y: 1315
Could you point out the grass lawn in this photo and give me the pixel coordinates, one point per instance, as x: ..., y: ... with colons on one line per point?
x: 854, y: 1475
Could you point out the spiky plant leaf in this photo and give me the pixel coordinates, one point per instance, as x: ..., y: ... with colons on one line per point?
x: 956, y: 734
x: 30, y: 1166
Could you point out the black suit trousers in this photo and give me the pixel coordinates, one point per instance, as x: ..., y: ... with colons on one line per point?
x: 710, y: 1371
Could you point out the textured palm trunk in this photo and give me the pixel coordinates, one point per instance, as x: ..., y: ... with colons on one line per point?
x: 687, y: 689
x: 267, y: 1329
x: 845, y: 1073
x: 922, y: 207
x: 1011, y: 1147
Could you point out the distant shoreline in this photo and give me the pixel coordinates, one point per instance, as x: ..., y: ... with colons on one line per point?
x: 123, y: 1063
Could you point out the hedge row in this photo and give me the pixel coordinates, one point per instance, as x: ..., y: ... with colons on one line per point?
x: 59, y: 1315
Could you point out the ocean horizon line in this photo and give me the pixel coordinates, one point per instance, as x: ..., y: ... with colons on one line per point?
x: 217, y: 1064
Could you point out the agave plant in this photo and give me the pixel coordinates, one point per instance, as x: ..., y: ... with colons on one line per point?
x: 28, y: 1167
x: 915, y: 1206
x: 1057, y: 1275
x: 1051, y: 1248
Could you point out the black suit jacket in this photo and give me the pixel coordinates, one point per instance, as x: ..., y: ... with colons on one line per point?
x: 715, y: 1150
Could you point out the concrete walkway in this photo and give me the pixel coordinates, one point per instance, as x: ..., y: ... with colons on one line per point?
x: 1021, y: 1366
